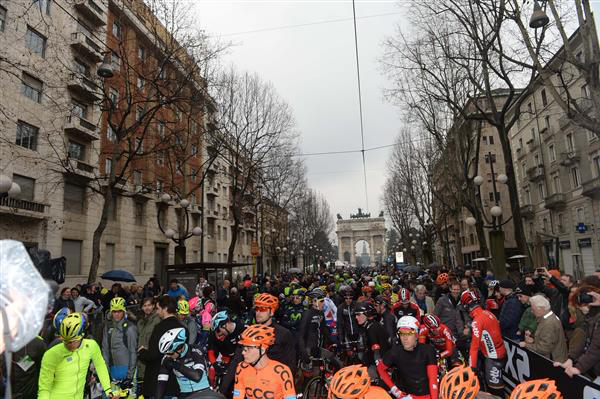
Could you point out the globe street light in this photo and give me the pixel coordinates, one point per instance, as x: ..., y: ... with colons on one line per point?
x: 184, y: 231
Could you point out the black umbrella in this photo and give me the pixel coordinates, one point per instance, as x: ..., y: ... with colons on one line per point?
x: 411, y: 269
x: 118, y: 275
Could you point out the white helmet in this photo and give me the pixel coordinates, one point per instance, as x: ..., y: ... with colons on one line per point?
x: 172, y: 340
x: 371, y: 283
x: 394, y: 281
x: 408, y: 323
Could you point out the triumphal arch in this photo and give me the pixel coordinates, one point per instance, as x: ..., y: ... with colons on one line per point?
x: 361, y: 226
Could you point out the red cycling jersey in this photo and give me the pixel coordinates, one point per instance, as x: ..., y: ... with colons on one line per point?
x: 442, y: 340
x: 412, y: 310
x: 486, y: 336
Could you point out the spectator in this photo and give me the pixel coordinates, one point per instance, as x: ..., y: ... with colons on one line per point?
x: 202, y: 283
x: 26, y: 364
x: 119, y: 343
x: 151, y: 356
x: 549, y: 339
x: 146, y: 325
x: 528, y: 322
x: 223, y: 294
x: 234, y: 302
x: 422, y: 300
x: 512, y: 310
x: 64, y: 300
x: 175, y: 291
x: 151, y: 289
x: 449, y: 311
x: 549, y: 283
x: 82, y: 304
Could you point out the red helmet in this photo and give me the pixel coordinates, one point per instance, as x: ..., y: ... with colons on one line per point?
x: 404, y: 295
x: 469, y: 299
x: 431, y: 321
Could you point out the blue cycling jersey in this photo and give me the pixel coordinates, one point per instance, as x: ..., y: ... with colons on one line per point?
x: 189, y: 369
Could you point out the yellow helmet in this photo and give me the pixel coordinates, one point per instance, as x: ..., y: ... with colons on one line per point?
x: 183, y: 307
x: 116, y: 304
x: 72, y: 328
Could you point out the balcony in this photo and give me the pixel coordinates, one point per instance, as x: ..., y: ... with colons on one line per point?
x: 212, y: 191
x: 92, y: 11
x: 527, y: 211
x: 532, y: 145
x: 80, y: 169
x: 86, y: 46
x: 212, y: 214
x: 23, y: 208
x: 591, y: 188
x: 521, y: 153
x: 584, y: 104
x: 569, y: 158
x: 535, y: 173
x: 86, y: 86
x: 78, y: 126
x: 555, y: 201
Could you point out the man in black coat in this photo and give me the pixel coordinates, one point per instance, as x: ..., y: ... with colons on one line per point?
x: 511, y: 312
x: 166, y: 309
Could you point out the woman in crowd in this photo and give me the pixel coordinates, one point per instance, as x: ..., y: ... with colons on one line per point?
x: 64, y: 300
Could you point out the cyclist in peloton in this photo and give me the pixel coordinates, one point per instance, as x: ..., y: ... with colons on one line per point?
x: 64, y: 366
x: 258, y: 376
x: 374, y: 335
x: 223, y: 340
x: 347, y: 328
x: 183, y: 315
x: 119, y: 344
x: 460, y: 382
x: 314, y: 333
x: 487, y: 339
x: 184, y: 361
x: 353, y: 382
x: 292, y: 313
x: 415, y: 363
x: 439, y: 335
x: 386, y: 317
x: 404, y: 307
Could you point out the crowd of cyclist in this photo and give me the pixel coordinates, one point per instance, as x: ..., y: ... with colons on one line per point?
x: 433, y: 335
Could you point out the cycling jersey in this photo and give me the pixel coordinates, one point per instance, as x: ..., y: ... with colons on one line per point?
x: 442, y: 340
x: 417, y: 370
x: 291, y: 316
x: 274, y: 381
x: 486, y: 337
x: 313, y: 332
x: 376, y: 341
x: 189, y: 369
x: 412, y: 310
x: 376, y: 393
x: 347, y: 328
x: 63, y: 373
x: 226, y: 347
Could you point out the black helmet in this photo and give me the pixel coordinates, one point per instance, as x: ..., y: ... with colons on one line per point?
x: 366, y: 308
x: 316, y: 293
x: 380, y: 299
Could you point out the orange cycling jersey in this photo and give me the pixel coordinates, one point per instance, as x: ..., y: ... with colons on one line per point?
x: 274, y: 381
x: 377, y: 393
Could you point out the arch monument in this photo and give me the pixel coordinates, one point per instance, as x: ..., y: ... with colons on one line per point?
x: 361, y: 226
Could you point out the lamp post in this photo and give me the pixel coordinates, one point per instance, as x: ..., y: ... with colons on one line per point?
x: 184, y: 233
x: 8, y: 188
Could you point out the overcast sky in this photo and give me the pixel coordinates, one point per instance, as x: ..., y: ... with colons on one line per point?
x: 313, y: 68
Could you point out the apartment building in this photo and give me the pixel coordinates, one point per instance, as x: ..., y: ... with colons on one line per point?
x: 558, y: 172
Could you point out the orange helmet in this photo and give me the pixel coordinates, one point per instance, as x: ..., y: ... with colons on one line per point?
x: 442, y: 279
x: 267, y: 301
x: 351, y: 382
x: 538, y: 389
x: 366, y: 289
x: 258, y: 335
x: 460, y: 382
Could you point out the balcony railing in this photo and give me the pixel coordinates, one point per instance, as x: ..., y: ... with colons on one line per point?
x: 79, y: 126
x: 94, y: 13
x: 22, y: 204
x: 86, y: 46
x: 535, y: 173
x: 85, y: 86
x: 591, y: 187
x: 569, y: 158
x: 527, y: 211
x: 584, y: 104
x: 555, y: 201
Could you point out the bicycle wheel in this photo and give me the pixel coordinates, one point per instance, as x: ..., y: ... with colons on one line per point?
x: 315, y: 389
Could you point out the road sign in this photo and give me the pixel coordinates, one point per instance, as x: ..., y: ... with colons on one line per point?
x: 254, y: 250
x: 581, y: 227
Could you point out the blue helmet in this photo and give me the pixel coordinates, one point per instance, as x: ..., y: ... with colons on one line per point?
x: 59, y: 317
x: 172, y: 340
x: 219, y: 320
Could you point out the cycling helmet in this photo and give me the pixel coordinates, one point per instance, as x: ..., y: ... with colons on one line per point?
x: 317, y: 293
x: 287, y: 291
x: 351, y: 382
x: 394, y: 281
x: 386, y: 286
x: 469, y: 299
x: 72, y: 328
x: 459, y: 383
x: 380, y: 300
x: 366, y: 289
x: 404, y: 295
x: 372, y: 284
x: 59, y: 317
x: 536, y: 389
x: 172, y: 340
x: 267, y: 301
x: 408, y: 323
x: 117, y: 304
x: 442, y: 279
x: 258, y: 335
x: 195, y: 303
x: 366, y: 308
x: 300, y: 292
x: 219, y: 320
x: 493, y: 283
x: 431, y: 321
x: 183, y: 307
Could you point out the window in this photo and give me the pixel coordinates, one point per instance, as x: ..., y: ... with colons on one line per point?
x: 137, y: 177
x: 570, y: 143
x: 596, y: 165
x: 178, y: 167
x: 527, y: 197
x: 116, y: 29
x: 551, y: 152
x: 575, y: 177
x: 487, y: 158
x: 536, y: 159
x: 492, y: 196
x: 541, y: 191
x: 139, y: 114
x: 110, y: 256
x: 43, y: 5
x: 224, y: 233
x: 219, y: 233
x: 491, y: 140
x: 113, y: 95
x: 194, y: 150
x: 520, y: 143
x: 2, y: 18
x: 138, y: 258
x: 544, y: 98
x: 27, y: 185
x: 161, y: 130
x: 141, y: 83
x: 27, y: 135
x: 547, y: 119
x: 561, y: 222
x: 159, y: 187
x: 110, y: 134
x: 81, y: 67
x: 139, y: 213
x: 73, y: 198
x: 79, y: 109
x: 585, y: 92
x: 579, y: 56
x: 545, y: 222
x: 107, y: 166
x: 139, y: 146
x: 529, y: 109
x: 76, y: 151
x: 556, y: 183
x: 71, y: 250
x: 484, y: 139
x: 160, y: 158
x: 31, y: 87
x: 35, y: 42
x: 533, y: 137
x: 141, y: 53
x: 194, y: 174
x: 115, y: 61
x: 580, y: 215
x: 194, y: 127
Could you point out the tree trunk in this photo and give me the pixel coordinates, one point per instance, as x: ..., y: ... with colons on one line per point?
x: 108, y: 201
x: 234, y: 236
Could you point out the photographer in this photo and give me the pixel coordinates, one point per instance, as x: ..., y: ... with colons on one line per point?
x: 549, y: 283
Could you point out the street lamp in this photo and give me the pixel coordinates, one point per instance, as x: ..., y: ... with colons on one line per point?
x: 539, y: 19
x: 8, y: 188
x: 184, y: 233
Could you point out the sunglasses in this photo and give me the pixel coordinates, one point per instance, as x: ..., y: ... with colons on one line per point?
x: 406, y: 332
x: 262, y: 309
